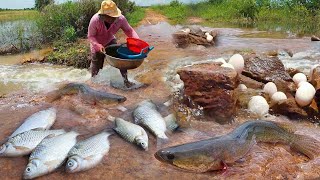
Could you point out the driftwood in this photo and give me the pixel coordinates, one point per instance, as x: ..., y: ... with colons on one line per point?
x: 183, y: 39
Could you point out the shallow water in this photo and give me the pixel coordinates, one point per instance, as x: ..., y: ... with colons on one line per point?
x: 158, y: 72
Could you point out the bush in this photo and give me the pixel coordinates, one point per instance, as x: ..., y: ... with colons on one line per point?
x: 69, y: 34
x: 40, y: 4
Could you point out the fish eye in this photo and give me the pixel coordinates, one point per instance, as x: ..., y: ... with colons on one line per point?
x: 70, y: 163
x: 170, y: 156
x: 28, y: 169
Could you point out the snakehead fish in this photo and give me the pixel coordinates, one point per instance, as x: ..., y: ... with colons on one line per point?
x: 216, y: 153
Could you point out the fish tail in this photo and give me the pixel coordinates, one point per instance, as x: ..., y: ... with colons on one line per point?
x: 171, y: 122
x: 306, y: 145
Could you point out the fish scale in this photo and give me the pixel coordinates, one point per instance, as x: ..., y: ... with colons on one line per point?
x: 147, y: 115
x: 24, y: 143
x: 97, y: 144
x: 43, y: 119
x: 54, y: 147
x: 130, y: 132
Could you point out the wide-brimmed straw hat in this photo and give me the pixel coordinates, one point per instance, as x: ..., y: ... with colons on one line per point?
x: 109, y: 8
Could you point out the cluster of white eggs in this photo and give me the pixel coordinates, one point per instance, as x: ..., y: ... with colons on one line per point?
x: 304, y: 94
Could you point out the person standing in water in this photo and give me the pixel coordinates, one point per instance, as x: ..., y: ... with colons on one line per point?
x: 102, y: 28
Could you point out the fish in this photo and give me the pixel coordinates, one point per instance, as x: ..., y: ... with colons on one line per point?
x: 23, y: 143
x: 100, y: 98
x: 132, y: 133
x: 219, y: 152
x: 171, y: 122
x: 49, y: 154
x: 87, y: 93
x: 88, y: 153
x: 43, y: 119
x: 66, y: 89
x: 146, y: 114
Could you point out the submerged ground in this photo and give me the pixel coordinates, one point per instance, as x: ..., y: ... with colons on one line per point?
x: 265, y: 161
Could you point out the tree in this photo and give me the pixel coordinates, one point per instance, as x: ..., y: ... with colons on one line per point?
x: 40, y: 4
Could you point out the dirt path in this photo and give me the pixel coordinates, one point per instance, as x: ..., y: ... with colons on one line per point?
x: 152, y: 17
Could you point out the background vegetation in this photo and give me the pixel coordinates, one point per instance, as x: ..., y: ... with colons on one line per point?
x: 299, y: 16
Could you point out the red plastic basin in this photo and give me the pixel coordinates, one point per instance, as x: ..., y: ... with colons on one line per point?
x: 136, y: 45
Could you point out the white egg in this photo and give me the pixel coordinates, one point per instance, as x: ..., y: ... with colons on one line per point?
x: 270, y: 88
x: 242, y: 87
x: 209, y: 38
x: 299, y: 77
x: 307, y: 84
x: 311, y: 71
x: 206, y: 33
x: 221, y: 60
x: 304, y: 95
x: 187, y: 31
x: 238, y: 62
x: 278, y: 96
x: 227, y: 65
x: 258, y: 105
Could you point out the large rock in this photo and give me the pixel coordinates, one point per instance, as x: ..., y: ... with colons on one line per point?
x: 250, y: 83
x: 315, y: 38
x: 183, y: 39
x: 316, y: 83
x: 290, y: 109
x: 211, y: 87
x: 268, y: 69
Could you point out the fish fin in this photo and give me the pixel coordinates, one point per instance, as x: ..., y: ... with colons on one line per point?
x: 171, y: 122
x: 50, y: 136
x: 38, y: 129
x: 286, y: 126
x: 22, y: 148
x: 306, y: 145
x: 110, y: 131
x: 168, y: 103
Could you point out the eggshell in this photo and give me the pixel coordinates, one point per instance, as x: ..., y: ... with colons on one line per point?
x: 270, y: 88
x: 258, y: 105
x: 299, y: 77
x: 242, y: 87
x: 221, y: 60
x: 304, y: 95
x: 227, y: 65
x: 237, y: 62
x: 278, y: 96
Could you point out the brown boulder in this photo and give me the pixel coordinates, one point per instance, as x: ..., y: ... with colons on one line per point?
x: 250, y: 83
x: 183, y: 39
x: 268, y: 69
x: 292, y: 71
x: 211, y: 87
x: 290, y: 109
x: 316, y: 83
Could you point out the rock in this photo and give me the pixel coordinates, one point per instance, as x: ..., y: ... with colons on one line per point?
x: 315, y: 38
x: 292, y: 71
x: 265, y: 69
x: 289, y: 108
x: 211, y: 87
x: 250, y: 83
x: 316, y: 83
x: 243, y: 97
x: 196, y: 36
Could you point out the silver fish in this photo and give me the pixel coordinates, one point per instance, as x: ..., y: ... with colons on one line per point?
x: 49, y: 155
x: 23, y: 143
x: 43, y: 119
x: 88, y: 153
x: 146, y: 114
x: 132, y: 133
x: 171, y: 122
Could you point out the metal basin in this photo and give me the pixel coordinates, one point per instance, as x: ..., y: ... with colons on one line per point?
x: 113, y: 59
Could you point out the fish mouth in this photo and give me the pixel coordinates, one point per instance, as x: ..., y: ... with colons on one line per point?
x: 122, y: 99
x: 158, y: 156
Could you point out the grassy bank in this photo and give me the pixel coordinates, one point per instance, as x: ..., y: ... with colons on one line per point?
x: 13, y: 15
x: 296, y: 18
x: 59, y: 25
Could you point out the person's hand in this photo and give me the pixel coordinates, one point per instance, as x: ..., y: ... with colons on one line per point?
x: 103, y: 50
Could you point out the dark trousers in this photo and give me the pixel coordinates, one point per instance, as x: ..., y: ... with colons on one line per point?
x: 97, y: 60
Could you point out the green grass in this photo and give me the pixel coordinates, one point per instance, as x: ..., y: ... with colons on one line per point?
x: 136, y: 16
x: 12, y: 15
x: 245, y: 13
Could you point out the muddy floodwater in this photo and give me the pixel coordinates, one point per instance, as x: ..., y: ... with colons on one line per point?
x: 126, y: 161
